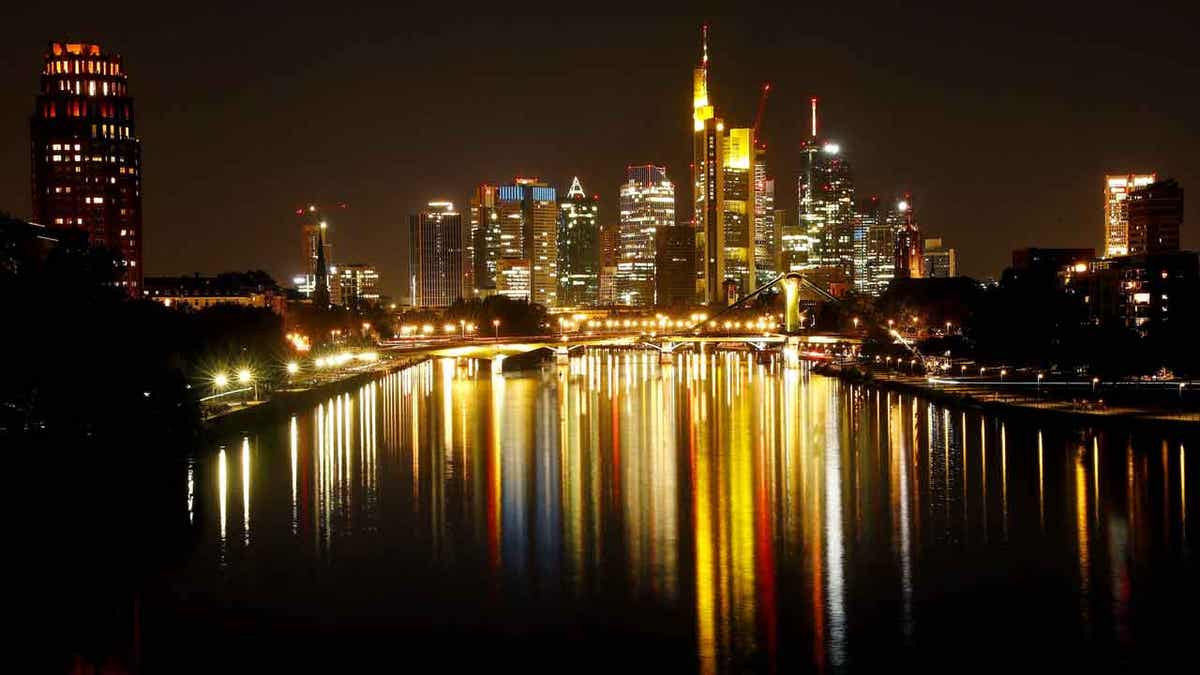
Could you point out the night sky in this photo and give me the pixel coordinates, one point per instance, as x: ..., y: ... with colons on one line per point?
x: 1000, y: 121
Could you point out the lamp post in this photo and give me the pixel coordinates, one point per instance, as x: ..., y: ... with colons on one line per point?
x: 1039, y: 384
x: 1095, y: 381
x: 496, y: 329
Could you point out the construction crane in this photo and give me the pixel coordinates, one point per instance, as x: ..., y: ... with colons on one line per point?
x: 762, y: 109
x: 317, y: 208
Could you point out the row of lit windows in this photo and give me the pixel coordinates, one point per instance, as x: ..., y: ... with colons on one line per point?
x: 107, y: 110
x: 90, y: 88
x: 79, y: 66
x: 113, y: 159
x: 109, y: 131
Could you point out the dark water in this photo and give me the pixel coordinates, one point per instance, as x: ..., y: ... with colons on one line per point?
x: 712, y: 515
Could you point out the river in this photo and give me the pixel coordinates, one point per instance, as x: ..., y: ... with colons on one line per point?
x: 711, y: 515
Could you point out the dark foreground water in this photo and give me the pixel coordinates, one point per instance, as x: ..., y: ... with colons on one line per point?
x: 714, y: 515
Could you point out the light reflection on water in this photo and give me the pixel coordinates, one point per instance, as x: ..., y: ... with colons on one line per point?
x: 774, y: 516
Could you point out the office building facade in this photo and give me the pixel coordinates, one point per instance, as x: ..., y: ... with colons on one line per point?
x: 435, y: 255
x: 909, y: 259
x: 1155, y: 215
x: 939, y: 261
x: 86, y: 155
x: 578, y: 248
x: 358, y: 286
x: 647, y: 204
x: 708, y: 186
x: 527, y: 213
x: 1116, y: 217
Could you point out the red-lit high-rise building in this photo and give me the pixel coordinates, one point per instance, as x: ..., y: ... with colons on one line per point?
x: 87, y: 172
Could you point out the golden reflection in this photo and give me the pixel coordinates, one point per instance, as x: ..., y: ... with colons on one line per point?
x: 1003, y: 482
x: 191, y: 490
x: 1083, y: 543
x: 706, y: 582
x: 495, y: 472
x: 293, y: 443
x: 246, y: 489
x: 1096, y: 478
x: 838, y: 634
x: 983, y: 474
x: 222, y: 489
x: 1041, y: 484
x: 624, y: 478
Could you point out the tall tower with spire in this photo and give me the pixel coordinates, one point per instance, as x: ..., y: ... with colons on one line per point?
x: 708, y: 185
x: 578, y: 248
x: 321, y: 275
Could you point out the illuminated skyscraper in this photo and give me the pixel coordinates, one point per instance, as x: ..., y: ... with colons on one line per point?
x: 578, y: 248
x: 610, y: 256
x: 795, y: 247
x: 739, y: 213
x: 766, y: 232
x: 647, y: 203
x: 826, y: 199
x: 87, y: 169
x: 527, y: 212
x: 938, y: 260
x: 484, y: 236
x: 708, y: 186
x: 675, y: 273
x: 435, y: 255
x: 358, y: 286
x: 909, y: 251
x: 1116, y: 217
x: 874, y: 248
x: 1155, y: 213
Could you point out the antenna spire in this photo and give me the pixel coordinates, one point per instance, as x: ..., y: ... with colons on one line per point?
x: 704, y: 44
x: 814, y: 117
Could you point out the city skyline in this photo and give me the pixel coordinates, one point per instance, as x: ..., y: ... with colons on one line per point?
x: 1058, y: 207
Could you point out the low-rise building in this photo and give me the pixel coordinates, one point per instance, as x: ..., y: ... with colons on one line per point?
x: 1141, y: 292
x: 248, y: 289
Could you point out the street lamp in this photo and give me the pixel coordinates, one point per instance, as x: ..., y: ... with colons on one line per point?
x: 496, y: 328
x: 855, y: 320
x: 221, y: 380
x: 246, y: 377
x: 293, y: 367
x: 1095, y: 381
x: 1039, y: 388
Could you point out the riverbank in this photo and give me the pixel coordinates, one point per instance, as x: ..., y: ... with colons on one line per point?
x: 287, y: 401
x: 996, y: 400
